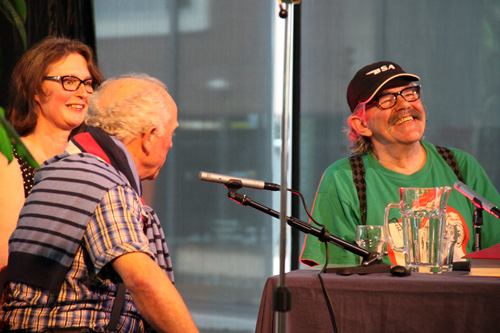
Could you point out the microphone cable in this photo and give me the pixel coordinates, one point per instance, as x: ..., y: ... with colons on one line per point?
x: 328, y: 300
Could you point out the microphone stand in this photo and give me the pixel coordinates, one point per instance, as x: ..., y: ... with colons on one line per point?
x: 282, y: 295
x: 478, y: 223
x: 372, y: 261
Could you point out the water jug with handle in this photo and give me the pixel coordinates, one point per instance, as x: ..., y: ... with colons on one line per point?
x: 423, y: 221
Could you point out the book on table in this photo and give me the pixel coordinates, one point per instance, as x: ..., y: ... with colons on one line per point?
x: 485, y: 262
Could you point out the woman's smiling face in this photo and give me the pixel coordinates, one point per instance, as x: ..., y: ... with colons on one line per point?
x: 58, y: 108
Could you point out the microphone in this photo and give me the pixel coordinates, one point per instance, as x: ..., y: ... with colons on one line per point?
x: 469, y: 193
x: 226, y: 180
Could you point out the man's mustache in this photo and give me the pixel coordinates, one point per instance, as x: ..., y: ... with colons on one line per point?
x: 403, y: 114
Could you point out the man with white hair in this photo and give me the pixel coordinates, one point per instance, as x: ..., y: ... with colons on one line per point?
x: 85, y: 236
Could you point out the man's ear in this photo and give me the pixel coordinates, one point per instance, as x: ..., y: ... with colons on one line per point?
x: 360, y: 126
x: 147, y: 139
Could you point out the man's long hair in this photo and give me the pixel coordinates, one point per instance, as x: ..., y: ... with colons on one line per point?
x: 359, y: 144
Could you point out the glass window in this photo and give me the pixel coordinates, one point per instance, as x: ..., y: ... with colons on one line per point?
x: 217, y: 59
x: 454, y: 49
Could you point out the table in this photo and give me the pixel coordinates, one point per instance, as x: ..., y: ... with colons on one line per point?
x: 380, y: 302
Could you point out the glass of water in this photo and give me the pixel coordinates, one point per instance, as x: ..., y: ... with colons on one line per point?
x: 371, y: 238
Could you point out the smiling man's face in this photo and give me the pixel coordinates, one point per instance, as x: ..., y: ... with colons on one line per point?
x: 404, y: 123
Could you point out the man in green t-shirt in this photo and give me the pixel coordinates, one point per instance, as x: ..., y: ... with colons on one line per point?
x: 386, y: 128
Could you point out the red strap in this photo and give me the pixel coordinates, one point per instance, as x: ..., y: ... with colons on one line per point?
x: 87, y: 142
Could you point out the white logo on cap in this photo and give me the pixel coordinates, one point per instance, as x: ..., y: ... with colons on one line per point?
x: 381, y: 69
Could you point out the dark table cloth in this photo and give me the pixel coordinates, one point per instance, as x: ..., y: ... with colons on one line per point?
x: 448, y: 302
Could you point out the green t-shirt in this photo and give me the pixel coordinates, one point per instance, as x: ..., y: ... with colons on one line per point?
x: 337, y: 205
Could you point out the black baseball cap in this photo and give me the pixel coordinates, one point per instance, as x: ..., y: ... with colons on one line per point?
x: 370, y: 79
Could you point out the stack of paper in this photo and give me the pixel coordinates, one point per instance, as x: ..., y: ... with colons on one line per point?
x: 485, y: 262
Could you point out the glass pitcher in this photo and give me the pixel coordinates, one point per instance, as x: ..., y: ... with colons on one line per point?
x: 423, y: 220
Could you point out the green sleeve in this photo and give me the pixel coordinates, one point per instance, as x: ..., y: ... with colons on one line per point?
x: 339, y: 216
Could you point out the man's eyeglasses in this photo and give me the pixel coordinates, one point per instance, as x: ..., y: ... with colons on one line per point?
x: 72, y: 83
x: 387, y: 101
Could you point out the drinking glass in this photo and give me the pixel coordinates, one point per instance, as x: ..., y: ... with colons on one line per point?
x: 371, y: 238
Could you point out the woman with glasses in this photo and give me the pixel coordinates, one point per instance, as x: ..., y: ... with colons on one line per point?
x: 48, y: 98
x: 386, y: 130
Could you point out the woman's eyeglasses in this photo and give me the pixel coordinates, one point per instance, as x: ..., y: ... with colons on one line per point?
x: 72, y: 83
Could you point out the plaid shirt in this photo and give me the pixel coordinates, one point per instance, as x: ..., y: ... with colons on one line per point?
x: 87, y: 294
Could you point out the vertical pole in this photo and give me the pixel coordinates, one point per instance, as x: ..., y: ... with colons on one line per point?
x: 282, y: 294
